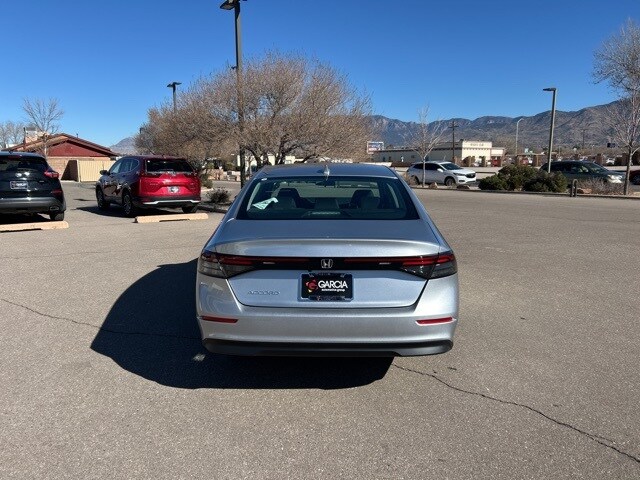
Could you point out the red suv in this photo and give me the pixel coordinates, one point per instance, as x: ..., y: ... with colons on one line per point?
x: 149, y: 181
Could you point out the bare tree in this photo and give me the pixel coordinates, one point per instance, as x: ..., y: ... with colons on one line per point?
x: 617, y: 62
x: 44, y: 115
x: 11, y: 133
x: 624, y: 119
x: 292, y: 106
x: 194, y: 130
x: 427, y: 136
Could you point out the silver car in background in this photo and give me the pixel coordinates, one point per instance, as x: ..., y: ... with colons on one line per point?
x: 327, y: 259
x: 446, y: 173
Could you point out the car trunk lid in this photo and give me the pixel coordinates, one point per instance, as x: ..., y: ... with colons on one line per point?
x: 355, y: 270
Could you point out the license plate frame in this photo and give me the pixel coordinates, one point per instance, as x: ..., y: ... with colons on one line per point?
x: 327, y: 287
x: 19, y: 185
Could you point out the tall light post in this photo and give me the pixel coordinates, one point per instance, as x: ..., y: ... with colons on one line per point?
x: 453, y: 141
x: 516, y: 154
x: 235, y: 6
x: 173, y: 86
x: 553, y: 121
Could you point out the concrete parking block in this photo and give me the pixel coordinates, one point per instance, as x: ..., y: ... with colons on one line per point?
x: 19, y: 227
x: 171, y: 218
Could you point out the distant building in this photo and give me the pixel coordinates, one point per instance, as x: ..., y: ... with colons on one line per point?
x: 65, y: 152
x: 480, y: 151
x: 402, y: 155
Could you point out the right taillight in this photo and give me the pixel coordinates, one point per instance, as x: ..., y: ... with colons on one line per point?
x: 425, y: 266
x: 431, y: 266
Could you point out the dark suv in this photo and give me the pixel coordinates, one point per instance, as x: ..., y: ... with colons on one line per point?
x: 149, y: 181
x: 29, y: 185
x: 579, y: 170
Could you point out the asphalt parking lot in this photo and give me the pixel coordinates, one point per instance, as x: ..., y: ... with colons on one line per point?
x: 103, y: 374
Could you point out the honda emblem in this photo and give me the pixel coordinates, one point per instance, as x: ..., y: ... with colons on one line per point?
x: 326, y: 263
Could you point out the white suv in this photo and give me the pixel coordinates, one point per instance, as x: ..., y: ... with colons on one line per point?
x: 440, y: 172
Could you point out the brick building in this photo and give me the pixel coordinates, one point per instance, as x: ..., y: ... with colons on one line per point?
x: 64, y: 152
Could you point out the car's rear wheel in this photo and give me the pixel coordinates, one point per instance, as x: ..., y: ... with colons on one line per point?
x: 56, y: 217
x: 190, y: 208
x: 416, y: 180
x: 449, y: 182
x: 129, y: 208
x: 102, y: 203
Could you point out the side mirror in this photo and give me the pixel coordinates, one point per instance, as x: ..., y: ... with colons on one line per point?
x: 104, y: 172
x: 441, y: 170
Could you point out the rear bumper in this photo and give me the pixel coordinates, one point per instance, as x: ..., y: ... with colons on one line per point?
x: 32, y: 205
x: 228, y: 347
x: 327, y: 329
x: 166, y: 201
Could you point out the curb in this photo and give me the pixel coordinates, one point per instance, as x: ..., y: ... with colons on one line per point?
x: 171, y: 218
x: 543, y: 194
x: 21, y: 227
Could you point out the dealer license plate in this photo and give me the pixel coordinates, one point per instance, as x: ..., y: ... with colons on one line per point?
x: 327, y: 286
x: 19, y: 185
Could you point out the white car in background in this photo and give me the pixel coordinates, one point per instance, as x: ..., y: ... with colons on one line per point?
x: 446, y: 173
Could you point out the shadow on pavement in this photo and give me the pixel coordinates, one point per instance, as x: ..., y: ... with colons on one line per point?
x: 116, y: 211
x: 151, y: 331
x: 10, y: 219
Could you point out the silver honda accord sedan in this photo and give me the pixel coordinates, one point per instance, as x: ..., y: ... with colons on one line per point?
x: 327, y: 260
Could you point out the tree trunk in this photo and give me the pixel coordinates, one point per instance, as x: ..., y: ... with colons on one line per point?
x: 626, y: 179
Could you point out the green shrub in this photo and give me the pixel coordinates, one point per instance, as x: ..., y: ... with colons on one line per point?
x: 543, y: 182
x: 517, y: 175
x: 219, y: 196
x: 510, y: 177
x: 494, y: 182
x: 205, y: 181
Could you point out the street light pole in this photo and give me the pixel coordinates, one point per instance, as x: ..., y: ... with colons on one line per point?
x: 453, y: 141
x: 235, y: 6
x: 173, y: 86
x: 553, y: 121
x: 516, y: 154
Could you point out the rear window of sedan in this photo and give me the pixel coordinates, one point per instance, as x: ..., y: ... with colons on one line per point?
x: 335, y: 198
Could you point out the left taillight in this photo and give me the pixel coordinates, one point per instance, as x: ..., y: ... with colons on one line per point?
x: 223, y: 266
x: 51, y: 174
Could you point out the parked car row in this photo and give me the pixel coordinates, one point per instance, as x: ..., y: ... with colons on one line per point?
x: 28, y: 184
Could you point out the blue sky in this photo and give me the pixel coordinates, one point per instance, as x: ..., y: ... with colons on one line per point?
x: 107, y: 62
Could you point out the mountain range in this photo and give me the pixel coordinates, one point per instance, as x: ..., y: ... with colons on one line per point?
x: 583, y: 128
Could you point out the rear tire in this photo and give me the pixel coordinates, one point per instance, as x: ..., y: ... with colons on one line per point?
x: 56, y: 217
x: 449, y: 182
x: 130, y: 210
x: 190, y: 208
x: 416, y: 181
x: 102, y: 203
